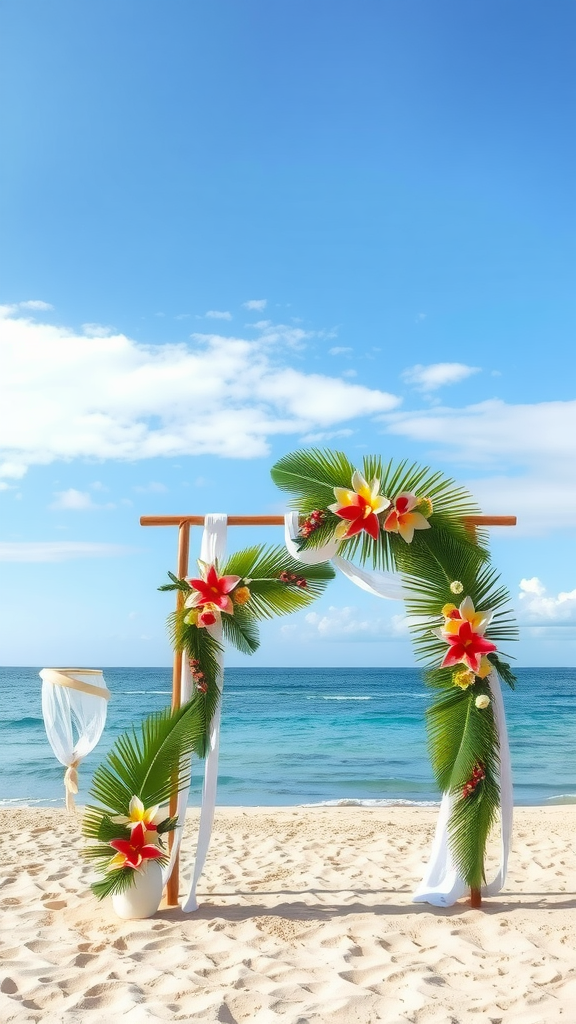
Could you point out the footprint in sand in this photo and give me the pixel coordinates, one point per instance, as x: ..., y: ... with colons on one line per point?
x: 55, y: 904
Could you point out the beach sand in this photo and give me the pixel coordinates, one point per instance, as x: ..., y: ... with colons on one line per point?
x: 305, y: 916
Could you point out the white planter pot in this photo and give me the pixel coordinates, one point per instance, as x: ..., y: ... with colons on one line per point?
x: 141, y: 899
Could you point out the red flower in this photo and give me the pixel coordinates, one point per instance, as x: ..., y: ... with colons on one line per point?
x: 466, y: 647
x: 134, y: 851
x: 359, y: 508
x: 212, y: 590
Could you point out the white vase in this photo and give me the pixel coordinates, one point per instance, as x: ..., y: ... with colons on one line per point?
x: 141, y: 899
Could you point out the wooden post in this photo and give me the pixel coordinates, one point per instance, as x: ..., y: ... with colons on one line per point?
x: 172, y: 885
x: 184, y: 523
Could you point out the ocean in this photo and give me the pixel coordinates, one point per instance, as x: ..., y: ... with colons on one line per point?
x: 303, y: 736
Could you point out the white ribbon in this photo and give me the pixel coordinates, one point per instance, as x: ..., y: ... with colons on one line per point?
x: 442, y: 885
x: 213, y: 548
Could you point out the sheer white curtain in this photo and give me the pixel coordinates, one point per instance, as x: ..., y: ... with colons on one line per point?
x: 74, y: 705
x: 442, y: 885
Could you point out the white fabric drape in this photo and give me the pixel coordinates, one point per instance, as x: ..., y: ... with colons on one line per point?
x: 74, y: 700
x: 382, y: 584
x: 213, y: 547
x: 441, y: 885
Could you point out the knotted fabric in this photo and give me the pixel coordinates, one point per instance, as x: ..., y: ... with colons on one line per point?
x: 73, y: 699
x: 442, y: 884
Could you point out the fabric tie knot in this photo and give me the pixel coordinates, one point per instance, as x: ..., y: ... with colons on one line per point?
x: 71, y: 784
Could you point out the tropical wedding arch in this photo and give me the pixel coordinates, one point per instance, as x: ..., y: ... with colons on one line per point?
x: 408, y: 533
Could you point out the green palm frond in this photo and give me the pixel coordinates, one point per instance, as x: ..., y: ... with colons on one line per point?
x: 113, y: 883
x: 460, y: 737
x: 241, y: 630
x: 144, y: 765
x: 261, y: 567
x: 201, y: 645
x: 312, y: 474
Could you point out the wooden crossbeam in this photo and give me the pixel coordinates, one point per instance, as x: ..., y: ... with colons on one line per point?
x: 184, y: 522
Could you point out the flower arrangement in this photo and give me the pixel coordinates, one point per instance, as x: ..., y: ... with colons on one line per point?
x: 411, y: 520
x: 127, y: 826
x: 225, y: 603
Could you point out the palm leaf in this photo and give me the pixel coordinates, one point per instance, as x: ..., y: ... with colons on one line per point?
x: 144, y: 765
x: 240, y: 629
x: 260, y: 569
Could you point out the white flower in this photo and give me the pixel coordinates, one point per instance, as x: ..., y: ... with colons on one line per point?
x: 456, y: 587
x: 482, y: 701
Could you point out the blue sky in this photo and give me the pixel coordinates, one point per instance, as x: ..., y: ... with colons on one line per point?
x: 232, y: 229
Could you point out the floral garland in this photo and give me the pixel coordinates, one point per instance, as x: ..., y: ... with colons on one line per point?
x: 255, y: 584
x: 412, y: 520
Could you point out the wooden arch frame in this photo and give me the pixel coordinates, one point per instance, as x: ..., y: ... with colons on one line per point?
x: 184, y: 523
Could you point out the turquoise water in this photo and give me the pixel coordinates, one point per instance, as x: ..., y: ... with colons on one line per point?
x: 297, y: 736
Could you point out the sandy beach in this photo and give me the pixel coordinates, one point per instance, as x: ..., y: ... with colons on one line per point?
x: 305, y: 916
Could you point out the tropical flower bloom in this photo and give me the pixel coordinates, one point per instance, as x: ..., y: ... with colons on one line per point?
x: 464, y: 679
x: 212, y: 590
x: 482, y: 701
x: 149, y: 817
x: 456, y: 587
x: 359, y: 507
x: 208, y: 615
x: 454, y: 617
x: 465, y: 646
x: 404, y: 520
x: 241, y: 595
x: 134, y: 851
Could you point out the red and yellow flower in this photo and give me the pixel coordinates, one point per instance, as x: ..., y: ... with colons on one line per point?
x: 134, y: 851
x: 211, y: 595
x: 359, y: 507
x: 463, y: 631
x: 406, y: 516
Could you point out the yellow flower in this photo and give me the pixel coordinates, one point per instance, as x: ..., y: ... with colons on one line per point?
x: 467, y: 613
x: 448, y: 611
x: 463, y: 679
x: 241, y: 595
x: 482, y: 701
x: 485, y: 668
x: 456, y: 587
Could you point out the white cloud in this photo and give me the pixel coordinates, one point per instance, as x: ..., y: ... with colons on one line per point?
x: 97, y: 330
x: 32, y: 305
x: 536, y: 603
x: 154, y: 487
x: 77, y: 501
x: 349, y: 373
x: 339, y: 350
x: 217, y: 314
x: 347, y: 624
x: 59, y: 551
x: 258, y: 304
x: 65, y: 396
x: 35, y: 304
x: 530, y: 446
x: 437, y: 375
x: 325, y: 435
